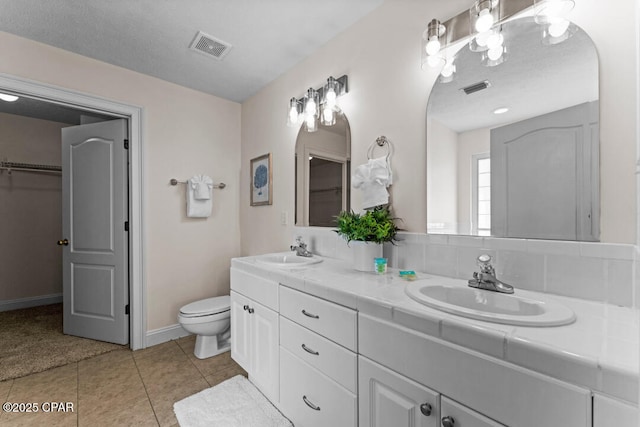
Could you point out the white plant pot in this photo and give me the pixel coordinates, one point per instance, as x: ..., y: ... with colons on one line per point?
x: 364, y: 253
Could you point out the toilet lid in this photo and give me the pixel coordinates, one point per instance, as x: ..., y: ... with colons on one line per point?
x: 206, y: 306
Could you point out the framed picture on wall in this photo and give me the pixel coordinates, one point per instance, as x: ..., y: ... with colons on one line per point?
x: 261, y: 187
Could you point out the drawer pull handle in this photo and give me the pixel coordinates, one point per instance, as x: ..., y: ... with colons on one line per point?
x: 426, y: 409
x: 308, y: 350
x: 245, y: 307
x: 250, y: 310
x: 313, y: 316
x: 309, y: 404
x: 448, y: 422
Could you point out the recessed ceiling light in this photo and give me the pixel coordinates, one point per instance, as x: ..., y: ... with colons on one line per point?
x: 8, y: 98
x: 500, y: 110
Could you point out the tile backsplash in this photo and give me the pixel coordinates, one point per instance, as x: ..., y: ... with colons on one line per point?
x: 594, y: 271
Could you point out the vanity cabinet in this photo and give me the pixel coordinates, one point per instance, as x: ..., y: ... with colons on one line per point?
x: 502, y: 392
x: 255, y: 331
x: 318, y: 361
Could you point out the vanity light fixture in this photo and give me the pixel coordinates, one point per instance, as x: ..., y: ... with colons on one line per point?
x: 501, y: 110
x: 481, y: 26
x: 448, y: 70
x: 8, y: 98
x: 318, y: 104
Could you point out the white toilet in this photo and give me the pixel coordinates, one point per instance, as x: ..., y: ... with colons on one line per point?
x: 210, y: 320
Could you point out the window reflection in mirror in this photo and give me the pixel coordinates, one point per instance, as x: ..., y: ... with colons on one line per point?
x: 541, y: 176
x: 322, y: 168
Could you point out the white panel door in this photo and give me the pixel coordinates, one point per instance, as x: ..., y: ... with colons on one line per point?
x: 544, y: 176
x: 95, y: 243
x: 265, y: 332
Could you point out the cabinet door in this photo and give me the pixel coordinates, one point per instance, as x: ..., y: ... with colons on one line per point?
x: 452, y: 414
x: 388, y: 399
x: 265, y: 333
x: 240, y: 331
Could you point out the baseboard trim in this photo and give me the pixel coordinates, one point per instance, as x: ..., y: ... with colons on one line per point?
x: 17, y: 304
x: 168, y: 333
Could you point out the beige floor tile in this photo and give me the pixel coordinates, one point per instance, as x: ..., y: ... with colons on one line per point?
x: 156, y: 349
x: 5, y: 386
x: 127, y: 413
x: 111, y: 359
x: 163, y: 400
x: 39, y: 419
x: 54, y: 385
x: 187, y: 344
x: 225, y: 374
x: 166, y: 370
x: 214, y: 364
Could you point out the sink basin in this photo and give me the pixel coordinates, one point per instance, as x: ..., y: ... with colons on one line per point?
x: 286, y: 260
x: 521, y: 308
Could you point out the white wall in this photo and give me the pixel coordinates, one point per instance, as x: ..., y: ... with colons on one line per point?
x: 185, y: 132
x: 469, y: 143
x: 388, y: 96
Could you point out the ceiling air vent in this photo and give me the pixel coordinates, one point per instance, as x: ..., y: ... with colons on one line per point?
x: 476, y: 87
x: 210, y: 46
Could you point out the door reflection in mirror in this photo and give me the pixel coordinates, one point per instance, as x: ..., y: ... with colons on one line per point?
x: 322, y: 168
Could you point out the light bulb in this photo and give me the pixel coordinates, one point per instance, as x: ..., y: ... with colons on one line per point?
x: 331, y: 98
x: 495, y: 53
x: 495, y: 39
x: 433, y: 45
x: 293, y: 115
x: 328, y: 117
x: 8, y: 98
x: 311, y: 109
x: 310, y: 121
x: 484, y: 20
x: 557, y: 29
x: 434, y: 60
x: 482, y: 38
x: 448, y: 69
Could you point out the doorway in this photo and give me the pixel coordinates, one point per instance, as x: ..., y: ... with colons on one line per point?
x: 94, y: 105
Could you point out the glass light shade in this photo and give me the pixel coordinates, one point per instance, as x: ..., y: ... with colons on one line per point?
x: 328, y: 116
x: 482, y: 15
x: 552, y: 11
x: 293, y: 114
x: 433, y: 45
x: 331, y: 93
x: 558, y: 32
x: 311, y: 103
x: 311, y: 123
x: 494, y: 56
x: 435, y: 61
x: 448, y: 71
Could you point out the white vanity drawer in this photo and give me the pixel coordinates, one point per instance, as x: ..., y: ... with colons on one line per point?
x: 331, y: 359
x: 257, y: 288
x: 311, y: 399
x: 330, y: 320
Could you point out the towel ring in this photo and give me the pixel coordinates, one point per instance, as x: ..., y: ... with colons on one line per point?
x: 380, y: 141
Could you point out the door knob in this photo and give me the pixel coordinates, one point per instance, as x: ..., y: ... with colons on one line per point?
x: 448, y: 422
x: 63, y: 242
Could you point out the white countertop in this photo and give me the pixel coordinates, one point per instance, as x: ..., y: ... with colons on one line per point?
x: 599, y: 351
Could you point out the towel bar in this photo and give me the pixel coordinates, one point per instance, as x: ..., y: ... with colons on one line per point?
x: 174, y: 181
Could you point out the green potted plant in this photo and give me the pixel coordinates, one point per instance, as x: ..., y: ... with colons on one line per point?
x: 365, y: 233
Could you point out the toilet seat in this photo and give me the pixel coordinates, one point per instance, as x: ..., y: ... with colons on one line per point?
x: 206, y: 307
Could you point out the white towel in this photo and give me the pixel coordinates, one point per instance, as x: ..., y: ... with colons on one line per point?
x: 199, y: 202
x: 233, y: 403
x: 373, y: 178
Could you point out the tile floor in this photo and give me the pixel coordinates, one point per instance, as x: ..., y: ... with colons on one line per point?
x: 120, y: 388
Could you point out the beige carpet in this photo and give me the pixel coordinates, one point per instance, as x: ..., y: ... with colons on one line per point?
x: 31, y: 340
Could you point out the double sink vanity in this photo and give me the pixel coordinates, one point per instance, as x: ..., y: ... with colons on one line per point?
x: 331, y: 346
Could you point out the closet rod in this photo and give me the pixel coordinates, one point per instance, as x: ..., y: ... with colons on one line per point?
x: 29, y: 167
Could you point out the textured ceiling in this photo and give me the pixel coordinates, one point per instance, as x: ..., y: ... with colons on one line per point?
x: 153, y: 36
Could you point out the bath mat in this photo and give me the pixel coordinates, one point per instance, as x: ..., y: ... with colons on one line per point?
x: 232, y: 403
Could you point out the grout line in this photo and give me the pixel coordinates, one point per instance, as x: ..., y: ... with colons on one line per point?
x: 135, y: 362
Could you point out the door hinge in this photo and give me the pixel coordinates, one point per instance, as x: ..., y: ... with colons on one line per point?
x: 126, y: 226
x: 126, y: 144
x: 126, y: 309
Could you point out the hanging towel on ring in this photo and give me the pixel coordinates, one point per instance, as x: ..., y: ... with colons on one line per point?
x: 199, y: 196
x: 373, y: 178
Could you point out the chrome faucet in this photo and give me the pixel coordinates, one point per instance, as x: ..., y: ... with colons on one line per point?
x: 486, y: 277
x: 301, y: 248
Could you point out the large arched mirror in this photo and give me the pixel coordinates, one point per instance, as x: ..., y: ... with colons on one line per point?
x: 322, y: 168
x: 513, y: 149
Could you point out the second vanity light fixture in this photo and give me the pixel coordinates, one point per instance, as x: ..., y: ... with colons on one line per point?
x: 484, y: 27
x: 318, y: 104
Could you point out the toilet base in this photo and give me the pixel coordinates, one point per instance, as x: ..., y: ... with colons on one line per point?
x: 209, y: 346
